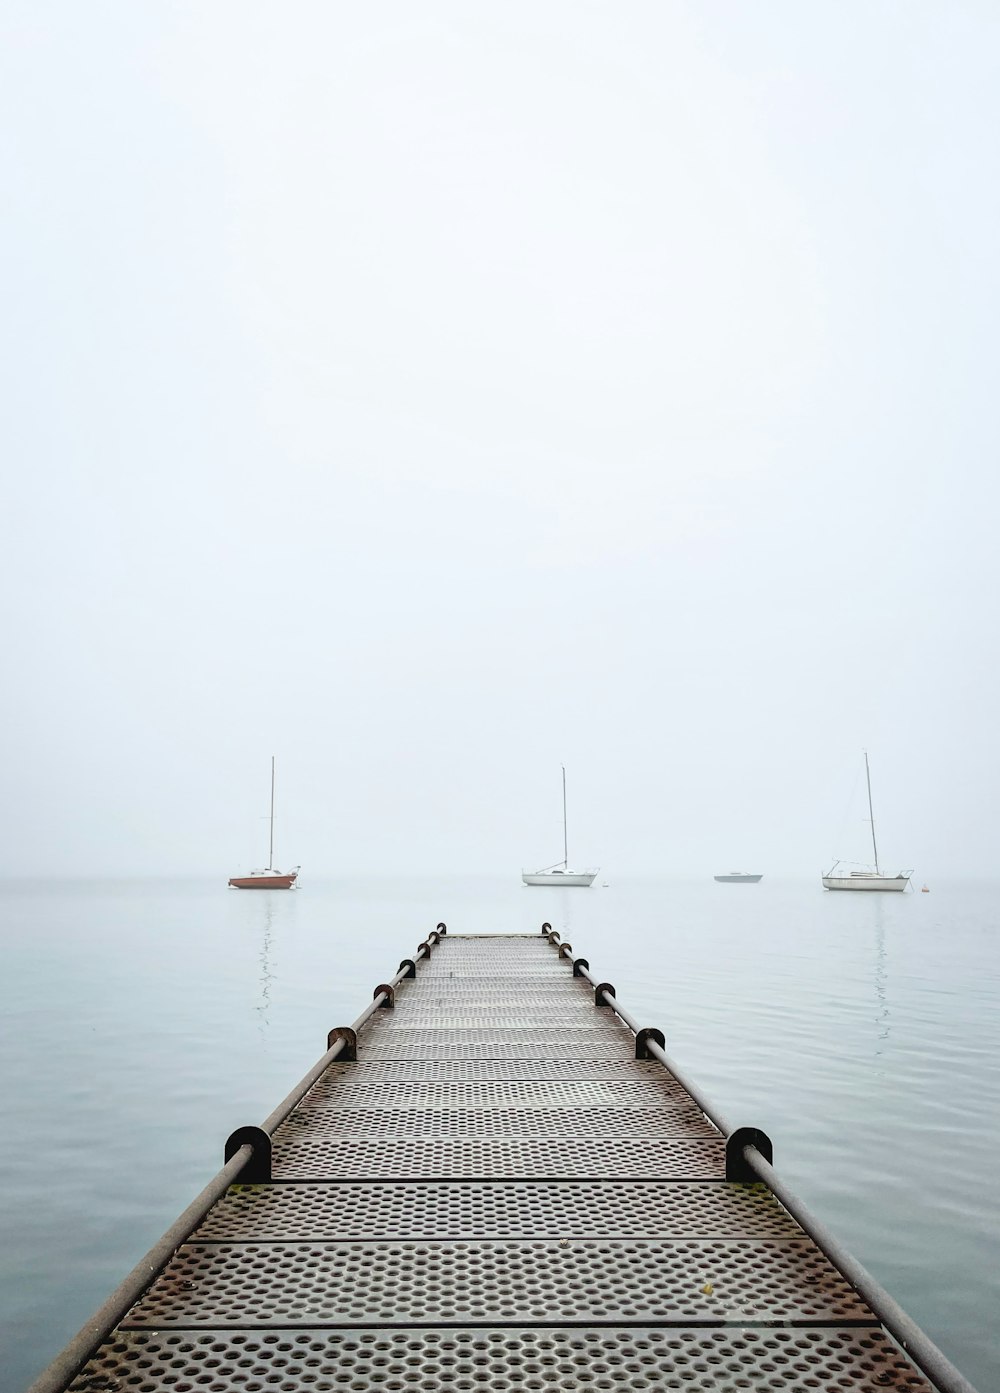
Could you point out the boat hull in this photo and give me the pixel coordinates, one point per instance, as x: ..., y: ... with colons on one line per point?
x: 558, y: 877
x: 866, y: 882
x: 264, y: 882
x: 737, y: 879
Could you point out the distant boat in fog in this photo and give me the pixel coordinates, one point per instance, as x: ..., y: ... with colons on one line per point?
x: 865, y: 880
x: 560, y: 873
x: 739, y: 878
x: 270, y: 878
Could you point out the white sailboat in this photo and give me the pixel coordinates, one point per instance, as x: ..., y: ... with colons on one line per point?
x: 867, y: 879
x: 560, y: 873
x: 269, y: 878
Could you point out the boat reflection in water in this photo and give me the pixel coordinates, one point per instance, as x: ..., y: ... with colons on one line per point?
x: 266, y: 973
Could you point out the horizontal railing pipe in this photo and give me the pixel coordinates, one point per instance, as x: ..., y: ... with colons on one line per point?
x: 68, y: 1364
x: 607, y: 998
x: 275, y: 1118
x: 918, y: 1346
x: 368, y: 1012
x: 57, y: 1376
x: 620, y: 1011
x: 709, y: 1109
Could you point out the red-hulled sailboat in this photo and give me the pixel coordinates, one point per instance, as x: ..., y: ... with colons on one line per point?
x: 269, y: 879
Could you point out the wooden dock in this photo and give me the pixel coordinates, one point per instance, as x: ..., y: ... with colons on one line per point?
x: 494, y: 1195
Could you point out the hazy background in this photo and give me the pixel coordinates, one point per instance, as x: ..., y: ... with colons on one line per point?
x: 431, y: 394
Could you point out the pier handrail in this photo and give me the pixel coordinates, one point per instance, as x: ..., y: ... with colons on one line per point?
x: 275, y: 1118
x: 917, y: 1345
x: 710, y: 1111
x: 920, y: 1347
x: 57, y: 1376
x: 64, y: 1368
x: 249, y: 1148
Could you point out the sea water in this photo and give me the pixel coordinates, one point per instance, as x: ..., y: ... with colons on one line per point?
x: 144, y: 1021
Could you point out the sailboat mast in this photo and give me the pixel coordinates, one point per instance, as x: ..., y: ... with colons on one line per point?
x: 871, y: 815
x: 270, y: 854
x: 565, y: 843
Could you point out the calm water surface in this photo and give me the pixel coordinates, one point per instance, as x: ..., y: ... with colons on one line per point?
x: 144, y: 1021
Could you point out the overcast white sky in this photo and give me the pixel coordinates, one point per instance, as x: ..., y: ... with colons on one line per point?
x: 429, y: 394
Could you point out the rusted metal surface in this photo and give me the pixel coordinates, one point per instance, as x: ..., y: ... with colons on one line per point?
x: 505, y: 1360
x: 495, y: 1281
x: 497, y: 1194
x: 423, y: 1210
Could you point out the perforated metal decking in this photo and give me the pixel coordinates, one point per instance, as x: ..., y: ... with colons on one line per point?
x: 497, y: 1195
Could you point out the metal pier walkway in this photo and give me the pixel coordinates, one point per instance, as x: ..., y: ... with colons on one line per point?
x: 496, y: 1194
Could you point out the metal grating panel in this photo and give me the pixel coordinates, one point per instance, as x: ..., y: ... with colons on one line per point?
x: 503, y: 979
x: 513, y: 1035
x: 496, y: 1022
x: 521, y: 975
x: 561, y: 1054
x: 502, y: 1361
x: 562, y: 984
x: 463, y: 990
x: 456, y: 942
x: 524, y: 960
x: 517, y: 974
x: 497, y: 965
x: 474, y: 1070
x: 529, y: 1158
x: 565, y: 991
x: 498, y: 969
x: 516, y: 1016
x: 502, y: 949
x: 685, y: 1281
x: 538, y: 979
x: 496, y: 1209
x: 458, y: 1175
x: 349, y: 1093
x: 675, y: 1120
